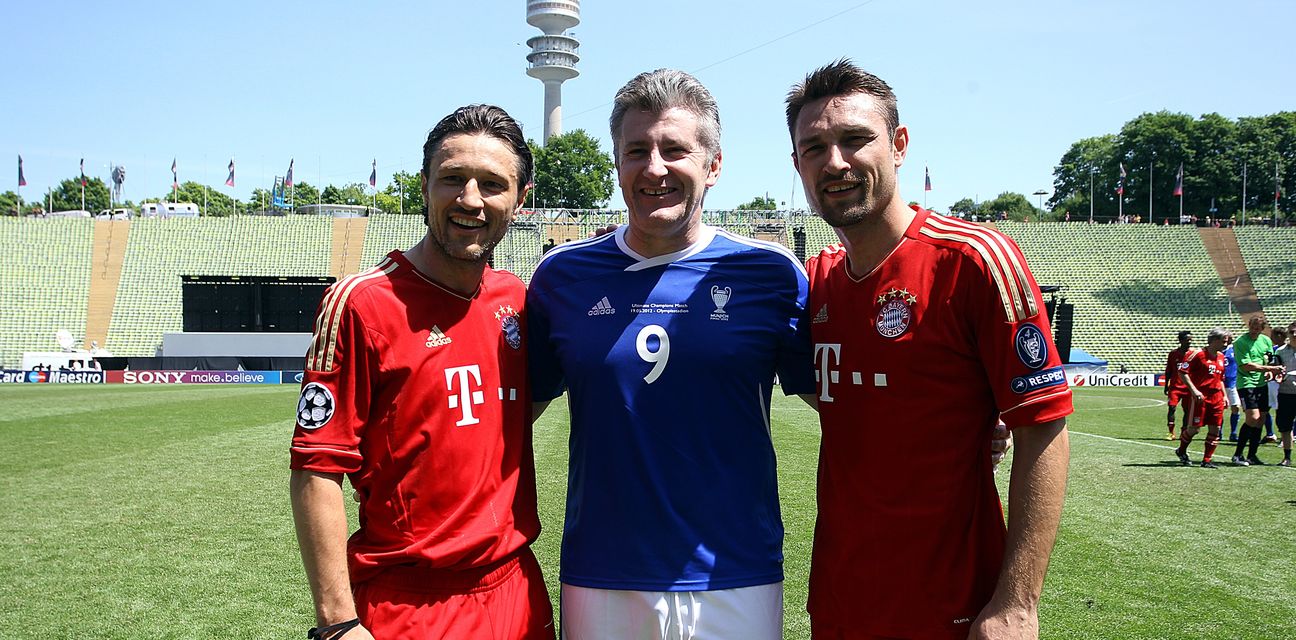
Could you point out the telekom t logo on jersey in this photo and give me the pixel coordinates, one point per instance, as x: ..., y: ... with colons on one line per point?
x: 824, y: 375
x: 465, y: 396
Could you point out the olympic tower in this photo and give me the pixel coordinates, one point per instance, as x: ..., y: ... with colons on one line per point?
x: 553, y: 55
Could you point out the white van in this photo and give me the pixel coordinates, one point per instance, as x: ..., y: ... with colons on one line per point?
x: 168, y: 210
x: 114, y: 214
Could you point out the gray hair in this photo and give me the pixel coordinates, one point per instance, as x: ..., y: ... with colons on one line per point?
x: 1218, y: 332
x: 657, y: 91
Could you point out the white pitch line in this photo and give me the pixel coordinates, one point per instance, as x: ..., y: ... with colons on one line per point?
x: 1146, y: 444
x: 1155, y: 403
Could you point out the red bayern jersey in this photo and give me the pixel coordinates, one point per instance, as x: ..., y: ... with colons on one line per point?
x: 1173, y: 361
x: 944, y: 338
x: 421, y: 395
x: 1206, y: 373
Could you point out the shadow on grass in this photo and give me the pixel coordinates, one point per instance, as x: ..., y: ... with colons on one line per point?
x: 1163, y: 463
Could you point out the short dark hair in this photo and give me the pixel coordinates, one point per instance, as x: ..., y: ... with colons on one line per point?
x: 1183, y: 334
x: 482, y: 119
x: 841, y: 78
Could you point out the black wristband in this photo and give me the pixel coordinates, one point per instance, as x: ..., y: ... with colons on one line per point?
x: 332, y: 631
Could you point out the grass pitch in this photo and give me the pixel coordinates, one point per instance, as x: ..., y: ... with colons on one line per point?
x: 162, y: 512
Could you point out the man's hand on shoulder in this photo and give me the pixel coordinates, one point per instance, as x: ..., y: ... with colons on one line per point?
x: 602, y: 231
x: 998, y: 622
x: 1000, y: 443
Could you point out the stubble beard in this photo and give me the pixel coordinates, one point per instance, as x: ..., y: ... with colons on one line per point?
x: 474, y: 254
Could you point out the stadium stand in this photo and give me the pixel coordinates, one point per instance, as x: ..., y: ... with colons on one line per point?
x: 44, y: 285
x: 1133, y: 286
x: 818, y: 234
x: 1270, y: 256
x: 162, y: 250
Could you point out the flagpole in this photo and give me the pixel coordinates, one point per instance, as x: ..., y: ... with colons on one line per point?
x: 1150, y: 187
x: 83, y: 185
x: 1277, y: 190
x: 1244, y: 168
x: 1180, y: 185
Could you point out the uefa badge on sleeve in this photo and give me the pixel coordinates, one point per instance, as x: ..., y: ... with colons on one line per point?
x: 1032, y: 348
x: 894, y: 317
x: 316, y: 406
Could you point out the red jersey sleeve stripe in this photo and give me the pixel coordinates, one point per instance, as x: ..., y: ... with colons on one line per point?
x: 324, y: 345
x: 1009, y: 261
x: 1012, y: 306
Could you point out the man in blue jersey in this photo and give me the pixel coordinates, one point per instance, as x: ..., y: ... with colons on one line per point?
x: 668, y: 335
x: 1230, y: 390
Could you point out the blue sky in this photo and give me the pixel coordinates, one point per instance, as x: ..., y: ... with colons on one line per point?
x: 993, y: 92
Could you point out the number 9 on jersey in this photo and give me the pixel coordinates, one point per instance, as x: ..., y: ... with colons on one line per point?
x: 656, y: 358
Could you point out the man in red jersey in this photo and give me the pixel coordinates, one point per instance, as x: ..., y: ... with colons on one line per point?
x: 940, y: 322
x: 1175, y: 390
x: 416, y: 388
x: 1202, y: 373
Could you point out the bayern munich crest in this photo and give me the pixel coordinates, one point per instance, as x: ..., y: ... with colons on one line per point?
x: 510, y: 326
x: 894, y: 317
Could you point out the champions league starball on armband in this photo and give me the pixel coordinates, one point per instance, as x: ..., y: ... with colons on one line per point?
x: 316, y: 406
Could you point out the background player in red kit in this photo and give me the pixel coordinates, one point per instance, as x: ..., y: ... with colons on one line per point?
x: 1175, y: 390
x: 1202, y: 373
x: 920, y: 323
x: 416, y: 388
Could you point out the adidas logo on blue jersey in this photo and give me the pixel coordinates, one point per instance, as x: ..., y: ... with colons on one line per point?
x: 602, y: 308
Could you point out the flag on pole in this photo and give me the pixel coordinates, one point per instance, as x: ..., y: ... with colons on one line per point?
x: 1179, y: 181
x: 22, y: 182
x: 288, y: 178
x: 229, y: 182
x: 175, y: 182
x: 373, y: 175
x: 83, y: 180
x: 1120, y: 182
x: 926, y: 179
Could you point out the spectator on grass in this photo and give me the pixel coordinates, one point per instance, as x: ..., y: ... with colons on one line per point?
x: 1279, y: 335
x: 1287, y: 393
x: 1252, y: 351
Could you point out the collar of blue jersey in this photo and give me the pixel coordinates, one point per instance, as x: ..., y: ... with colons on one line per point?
x: 706, y: 233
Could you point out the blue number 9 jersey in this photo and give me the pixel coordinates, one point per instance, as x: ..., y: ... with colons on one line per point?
x: 669, y: 363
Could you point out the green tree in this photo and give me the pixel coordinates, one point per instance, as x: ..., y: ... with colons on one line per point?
x: 304, y: 193
x: 67, y: 195
x: 759, y: 203
x: 403, y: 194
x: 1015, y: 205
x: 1089, y: 163
x: 965, y: 206
x: 572, y: 172
x: 354, y: 193
x: 9, y: 203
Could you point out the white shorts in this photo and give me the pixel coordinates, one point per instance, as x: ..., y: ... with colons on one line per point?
x: 1231, y: 394
x: 750, y: 613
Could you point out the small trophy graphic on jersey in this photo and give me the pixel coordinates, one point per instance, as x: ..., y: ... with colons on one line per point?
x: 720, y: 297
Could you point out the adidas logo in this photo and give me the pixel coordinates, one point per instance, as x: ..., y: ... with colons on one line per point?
x: 602, y: 308
x: 436, y: 338
x: 822, y: 316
